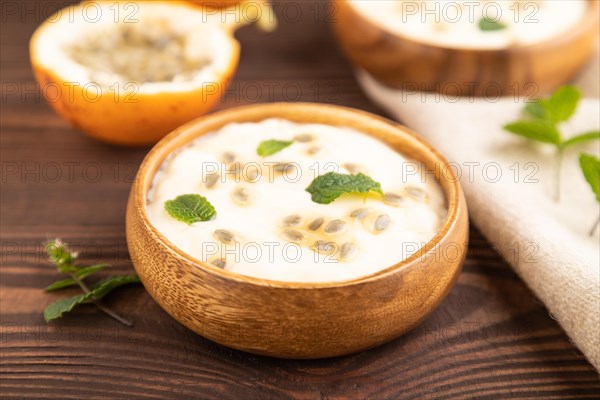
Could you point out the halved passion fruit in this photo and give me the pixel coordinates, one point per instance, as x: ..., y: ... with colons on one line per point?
x: 130, y: 72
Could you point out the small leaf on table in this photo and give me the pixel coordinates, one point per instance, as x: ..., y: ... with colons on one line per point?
x: 104, y: 287
x: 65, y: 283
x: 62, y: 306
x: 86, y: 271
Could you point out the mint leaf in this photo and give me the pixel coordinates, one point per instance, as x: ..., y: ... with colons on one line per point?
x: 590, y: 166
x: 539, y: 130
x: 536, y: 109
x: 190, y: 208
x: 561, y: 105
x: 80, y: 273
x: 92, y: 269
x: 584, y: 137
x: 269, y: 147
x: 61, y: 284
x: 62, y: 306
x: 103, y: 287
x: 326, y: 188
x: 487, y: 24
x: 64, y: 260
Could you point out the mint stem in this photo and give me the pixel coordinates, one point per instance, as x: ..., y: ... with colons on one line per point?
x: 594, y: 227
x: 558, y: 167
x: 101, y: 306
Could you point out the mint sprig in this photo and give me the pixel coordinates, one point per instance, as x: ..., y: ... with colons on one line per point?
x: 559, y: 107
x: 80, y: 272
x: 272, y: 146
x: 487, y: 24
x: 101, y: 289
x: 542, y: 122
x: 190, y: 208
x: 324, y: 189
x: 64, y: 259
x: 590, y: 166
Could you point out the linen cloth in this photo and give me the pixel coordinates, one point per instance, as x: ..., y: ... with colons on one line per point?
x: 509, y: 184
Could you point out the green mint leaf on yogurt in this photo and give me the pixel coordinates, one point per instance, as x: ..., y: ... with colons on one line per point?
x: 190, y: 208
x: 269, y: 147
x: 326, y: 188
x: 487, y: 24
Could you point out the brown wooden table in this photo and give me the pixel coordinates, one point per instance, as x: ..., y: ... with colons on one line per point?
x: 491, y: 338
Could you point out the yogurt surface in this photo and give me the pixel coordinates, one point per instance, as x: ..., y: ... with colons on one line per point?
x: 267, y: 225
x: 457, y: 23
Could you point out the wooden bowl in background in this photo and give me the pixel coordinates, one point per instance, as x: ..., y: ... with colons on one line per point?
x: 298, y: 320
x: 404, y: 63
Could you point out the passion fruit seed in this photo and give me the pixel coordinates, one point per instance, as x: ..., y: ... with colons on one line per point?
x: 324, y: 247
x: 382, y: 222
x: 211, y: 179
x: 283, y: 168
x: 252, y: 174
x: 304, y: 138
x: 293, y: 235
x: 292, y: 220
x: 228, y: 157
x: 393, y: 199
x: 348, y: 251
x: 241, y: 196
x: 316, y: 224
x: 416, y: 193
x: 236, y: 170
x: 360, y: 213
x: 335, y: 226
x: 224, y: 236
x: 353, y: 168
x: 219, y: 263
x: 311, y: 151
x: 153, y: 55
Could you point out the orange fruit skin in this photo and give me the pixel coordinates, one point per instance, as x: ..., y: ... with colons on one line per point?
x: 128, y: 119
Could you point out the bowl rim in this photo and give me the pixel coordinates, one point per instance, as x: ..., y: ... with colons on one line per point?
x: 157, y: 155
x: 589, y: 20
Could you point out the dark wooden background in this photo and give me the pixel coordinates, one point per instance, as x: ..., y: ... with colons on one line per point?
x: 491, y: 338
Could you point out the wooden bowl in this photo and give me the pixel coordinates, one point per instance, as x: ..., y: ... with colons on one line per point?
x: 402, y: 62
x: 298, y: 320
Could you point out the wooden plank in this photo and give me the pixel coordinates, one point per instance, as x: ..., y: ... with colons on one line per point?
x: 490, y: 339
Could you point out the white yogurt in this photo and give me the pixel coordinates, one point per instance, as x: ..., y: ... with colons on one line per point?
x: 262, y: 245
x: 456, y: 23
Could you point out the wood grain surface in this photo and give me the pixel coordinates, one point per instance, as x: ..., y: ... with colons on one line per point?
x: 491, y: 338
